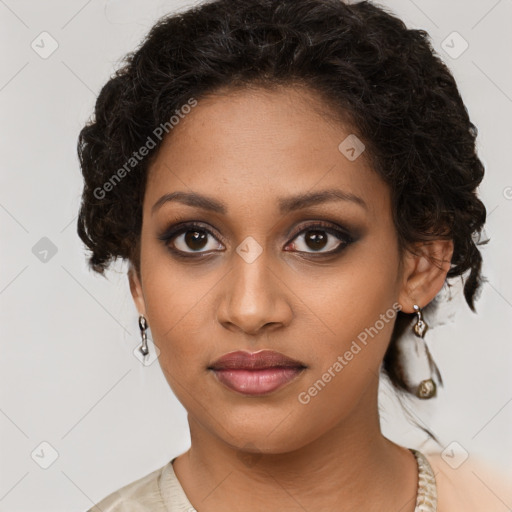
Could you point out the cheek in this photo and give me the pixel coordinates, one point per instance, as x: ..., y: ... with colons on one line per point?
x: 176, y: 326
x: 344, y: 363
x: 357, y: 307
x: 178, y: 305
x: 353, y: 295
x: 346, y: 369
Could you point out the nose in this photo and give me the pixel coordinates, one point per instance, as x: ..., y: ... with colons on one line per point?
x: 255, y: 298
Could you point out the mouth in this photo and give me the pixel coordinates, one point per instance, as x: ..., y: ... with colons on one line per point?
x: 257, y: 373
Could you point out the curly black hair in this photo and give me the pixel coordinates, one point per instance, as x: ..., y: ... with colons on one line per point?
x: 364, y: 63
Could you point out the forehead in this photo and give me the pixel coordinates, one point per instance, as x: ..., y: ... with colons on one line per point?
x: 254, y: 145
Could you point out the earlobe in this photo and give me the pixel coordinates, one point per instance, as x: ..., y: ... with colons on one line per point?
x: 136, y: 290
x: 425, y: 270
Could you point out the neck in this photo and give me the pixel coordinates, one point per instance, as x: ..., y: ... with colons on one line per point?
x: 351, y: 466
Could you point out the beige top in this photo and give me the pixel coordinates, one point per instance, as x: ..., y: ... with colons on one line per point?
x: 472, y: 487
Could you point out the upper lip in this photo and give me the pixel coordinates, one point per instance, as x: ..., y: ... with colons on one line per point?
x: 242, y: 360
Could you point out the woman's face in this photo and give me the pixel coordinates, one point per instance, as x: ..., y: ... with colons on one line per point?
x: 292, y: 248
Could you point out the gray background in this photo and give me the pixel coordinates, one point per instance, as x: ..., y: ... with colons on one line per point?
x: 68, y: 374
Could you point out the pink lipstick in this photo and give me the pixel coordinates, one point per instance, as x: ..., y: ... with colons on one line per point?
x: 256, y: 373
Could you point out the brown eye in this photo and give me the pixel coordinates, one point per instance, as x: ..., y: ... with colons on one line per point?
x: 315, y: 239
x: 190, y: 239
x: 321, y: 239
x: 195, y: 240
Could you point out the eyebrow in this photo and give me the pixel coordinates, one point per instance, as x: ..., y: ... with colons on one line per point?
x: 286, y: 204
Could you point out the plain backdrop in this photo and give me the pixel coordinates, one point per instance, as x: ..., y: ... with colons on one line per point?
x: 73, y: 397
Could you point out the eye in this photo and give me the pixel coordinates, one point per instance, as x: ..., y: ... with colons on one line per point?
x: 321, y: 238
x: 193, y: 239
x: 189, y: 239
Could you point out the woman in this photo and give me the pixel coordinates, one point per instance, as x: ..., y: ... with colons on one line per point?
x: 292, y: 182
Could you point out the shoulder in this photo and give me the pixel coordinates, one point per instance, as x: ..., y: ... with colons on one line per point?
x: 473, y: 485
x: 142, y: 495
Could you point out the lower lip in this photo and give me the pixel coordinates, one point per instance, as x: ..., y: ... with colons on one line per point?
x: 257, y: 382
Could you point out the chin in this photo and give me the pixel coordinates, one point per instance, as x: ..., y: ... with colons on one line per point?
x: 256, y: 436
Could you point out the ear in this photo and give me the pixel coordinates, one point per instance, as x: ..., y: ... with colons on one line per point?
x: 136, y: 290
x: 424, y: 272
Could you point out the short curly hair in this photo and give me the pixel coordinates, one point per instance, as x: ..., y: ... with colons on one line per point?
x: 359, y: 58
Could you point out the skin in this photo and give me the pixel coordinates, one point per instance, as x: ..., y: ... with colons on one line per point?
x: 247, y: 149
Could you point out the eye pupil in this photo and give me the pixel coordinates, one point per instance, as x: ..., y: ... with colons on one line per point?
x: 317, y: 240
x: 195, y: 239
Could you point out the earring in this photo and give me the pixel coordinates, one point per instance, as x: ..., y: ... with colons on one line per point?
x: 143, y: 325
x: 420, y: 327
x: 427, y: 388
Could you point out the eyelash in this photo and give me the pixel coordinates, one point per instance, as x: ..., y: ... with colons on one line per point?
x: 344, y: 237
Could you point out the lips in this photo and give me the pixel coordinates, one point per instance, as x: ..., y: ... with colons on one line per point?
x: 241, y: 360
x: 256, y: 373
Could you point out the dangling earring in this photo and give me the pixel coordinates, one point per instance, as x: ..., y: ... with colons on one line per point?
x: 420, y: 327
x: 143, y: 325
x: 427, y: 388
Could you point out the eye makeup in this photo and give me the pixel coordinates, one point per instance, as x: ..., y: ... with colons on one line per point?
x: 178, y: 237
